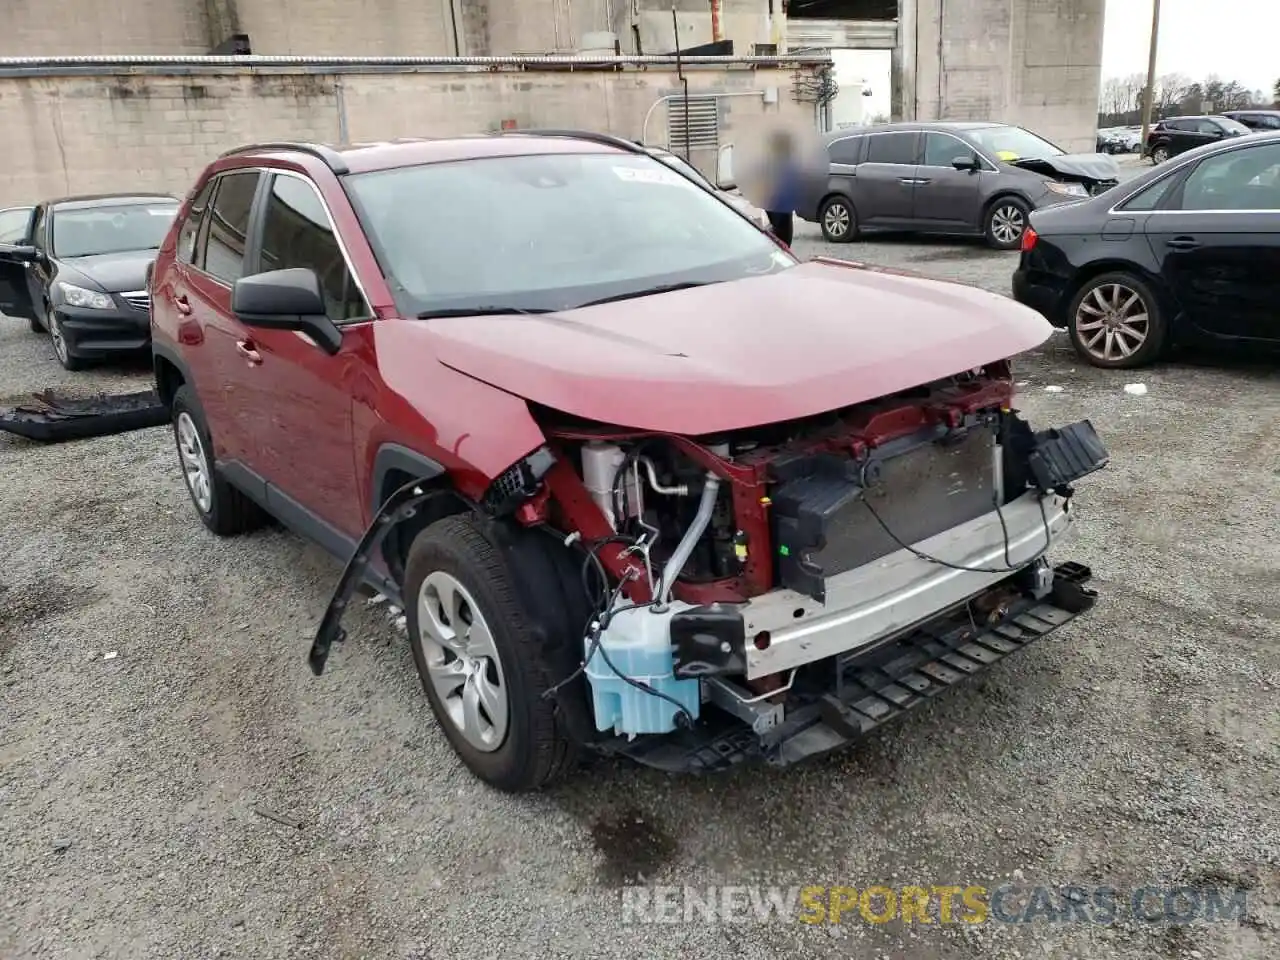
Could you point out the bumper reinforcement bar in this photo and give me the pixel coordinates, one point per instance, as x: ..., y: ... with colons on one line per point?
x: 871, y: 687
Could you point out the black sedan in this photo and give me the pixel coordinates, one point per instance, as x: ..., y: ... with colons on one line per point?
x: 1188, y: 251
x: 79, y: 271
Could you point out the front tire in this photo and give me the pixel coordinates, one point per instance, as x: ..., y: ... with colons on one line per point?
x: 222, y: 508
x: 485, y: 658
x: 1115, y: 322
x: 61, y: 349
x: 838, y: 220
x: 1005, y: 223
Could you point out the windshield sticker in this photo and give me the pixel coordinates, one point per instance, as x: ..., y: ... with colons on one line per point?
x: 663, y: 175
x: 1007, y: 155
x: 163, y: 211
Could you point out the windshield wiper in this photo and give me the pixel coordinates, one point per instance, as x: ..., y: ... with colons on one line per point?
x: 648, y: 291
x: 477, y: 312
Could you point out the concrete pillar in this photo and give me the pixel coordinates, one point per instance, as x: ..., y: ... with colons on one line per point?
x: 222, y: 21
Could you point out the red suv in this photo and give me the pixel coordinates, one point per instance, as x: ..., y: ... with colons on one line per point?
x: 644, y: 483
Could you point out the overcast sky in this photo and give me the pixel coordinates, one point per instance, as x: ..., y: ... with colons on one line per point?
x: 1236, y: 39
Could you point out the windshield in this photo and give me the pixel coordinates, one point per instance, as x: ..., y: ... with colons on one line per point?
x: 684, y: 166
x: 117, y: 228
x: 1233, y: 126
x: 550, y: 232
x: 1014, y: 143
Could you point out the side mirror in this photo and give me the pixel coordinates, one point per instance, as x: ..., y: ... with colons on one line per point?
x: 724, y: 168
x: 19, y: 253
x: 286, y: 300
x: 965, y: 163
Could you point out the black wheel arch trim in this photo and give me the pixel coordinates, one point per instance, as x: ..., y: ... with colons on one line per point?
x: 395, y: 456
x: 163, y: 351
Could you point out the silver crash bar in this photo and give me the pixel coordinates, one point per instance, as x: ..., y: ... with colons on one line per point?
x: 899, y: 590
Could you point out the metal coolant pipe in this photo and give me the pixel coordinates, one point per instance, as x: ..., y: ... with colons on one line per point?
x: 675, y: 565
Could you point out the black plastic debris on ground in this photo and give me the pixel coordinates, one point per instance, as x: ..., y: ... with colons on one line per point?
x: 51, y: 418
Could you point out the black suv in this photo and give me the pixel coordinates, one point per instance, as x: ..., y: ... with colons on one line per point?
x: 1168, y: 138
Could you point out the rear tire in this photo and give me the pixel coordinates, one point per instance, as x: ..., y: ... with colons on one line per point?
x: 477, y: 634
x: 1159, y: 155
x: 838, y: 219
x: 222, y: 508
x: 35, y: 325
x: 1114, y: 313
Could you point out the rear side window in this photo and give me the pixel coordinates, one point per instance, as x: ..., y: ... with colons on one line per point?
x: 892, y: 148
x: 1239, y: 180
x: 848, y: 150
x: 227, y: 227
x: 1150, y: 198
x: 297, y: 232
x: 190, y: 228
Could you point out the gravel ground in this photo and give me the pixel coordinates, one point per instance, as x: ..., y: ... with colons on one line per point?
x: 155, y: 704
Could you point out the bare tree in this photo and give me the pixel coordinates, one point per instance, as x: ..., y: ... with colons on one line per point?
x: 1170, y: 89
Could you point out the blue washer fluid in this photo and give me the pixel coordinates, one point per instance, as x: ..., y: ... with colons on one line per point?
x: 638, y: 642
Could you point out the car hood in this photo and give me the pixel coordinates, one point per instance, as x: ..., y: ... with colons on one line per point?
x: 1087, y: 166
x: 112, y: 272
x: 812, y: 338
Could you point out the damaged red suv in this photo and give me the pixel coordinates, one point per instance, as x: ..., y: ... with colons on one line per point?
x: 644, y: 483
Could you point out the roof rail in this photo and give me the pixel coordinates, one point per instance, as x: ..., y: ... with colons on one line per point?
x: 607, y: 139
x: 329, y: 156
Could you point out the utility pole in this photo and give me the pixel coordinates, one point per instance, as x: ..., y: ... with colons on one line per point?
x: 1149, y: 99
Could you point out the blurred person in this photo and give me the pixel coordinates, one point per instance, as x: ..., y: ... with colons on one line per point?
x: 783, y: 177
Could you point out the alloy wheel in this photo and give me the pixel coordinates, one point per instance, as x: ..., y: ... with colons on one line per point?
x: 1007, y: 224
x: 1112, y: 322
x: 462, y: 661
x: 836, y: 220
x: 1159, y: 155
x: 195, y: 465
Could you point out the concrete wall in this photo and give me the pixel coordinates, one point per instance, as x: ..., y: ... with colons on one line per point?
x: 152, y: 128
x: 1036, y: 63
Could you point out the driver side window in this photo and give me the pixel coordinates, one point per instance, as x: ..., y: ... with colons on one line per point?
x: 1239, y: 180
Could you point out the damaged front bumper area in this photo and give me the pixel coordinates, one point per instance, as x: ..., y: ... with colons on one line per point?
x: 829, y: 703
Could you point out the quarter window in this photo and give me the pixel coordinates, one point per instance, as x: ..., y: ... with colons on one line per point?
x: 227, y: 227
x: 191, y: 226
x: 848, y: 150
x: 1149, y: 198
x: 1240, y: 180
x: 297, y: 232
x: 892, y: 148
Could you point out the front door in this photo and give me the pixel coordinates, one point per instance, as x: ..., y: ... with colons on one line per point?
x: 15, y: 294
x: 885, y: 185
x: 302, y: 404
x: 946, y: 198
x: 1218, y: 247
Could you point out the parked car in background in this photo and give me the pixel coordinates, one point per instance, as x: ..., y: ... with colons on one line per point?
x: 13, y: 224
x: 611, y: 457
x: 1115, y: 140
x: 1189, y: 250
x: 1256, y: 119
x: 948, y: 177
x: 78, y: 270
x: 726, y: 189
x: 1176, y: 135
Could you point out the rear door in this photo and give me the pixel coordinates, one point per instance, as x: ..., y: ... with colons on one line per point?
x: 946, y: 198
x: 884, y: 188
x: 201, y: 295
x: 1217, y: 239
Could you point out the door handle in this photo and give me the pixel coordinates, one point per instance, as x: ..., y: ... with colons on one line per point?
x: 245, y: 349
x: 921, y: 181
x: 183, y: 304
x: 1183, y: 243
